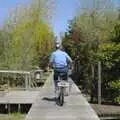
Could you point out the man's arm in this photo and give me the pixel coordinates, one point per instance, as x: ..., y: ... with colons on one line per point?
x: 69, y: 60
x: 51, y: 60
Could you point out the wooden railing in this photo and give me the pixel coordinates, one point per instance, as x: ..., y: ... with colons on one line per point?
x: 18, y: 79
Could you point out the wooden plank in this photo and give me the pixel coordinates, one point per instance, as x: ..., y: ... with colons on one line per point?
x: 19, y: 97
x: 13, y: 71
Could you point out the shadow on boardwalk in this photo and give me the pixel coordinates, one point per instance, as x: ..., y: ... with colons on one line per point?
x: 49, y: 99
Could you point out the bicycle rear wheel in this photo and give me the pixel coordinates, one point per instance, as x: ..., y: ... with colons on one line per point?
x: 61, y: 97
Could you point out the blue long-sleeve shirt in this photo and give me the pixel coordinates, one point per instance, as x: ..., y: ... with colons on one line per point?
x: 60, y: 59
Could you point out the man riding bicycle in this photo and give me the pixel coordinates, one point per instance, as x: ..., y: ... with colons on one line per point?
x: 60, y: 62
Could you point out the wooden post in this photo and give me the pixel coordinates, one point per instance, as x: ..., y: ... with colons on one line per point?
x: 19, y: 109
x: 93, y: 73
x: 8, y: 111
x: 26, y: 81
x: 99, y: 82
x: 29, y: 80
x: 92, y: 82
x: 8, y: 81
x: 8, y: 108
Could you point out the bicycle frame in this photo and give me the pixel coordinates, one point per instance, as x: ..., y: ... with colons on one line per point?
x: 62, y: 84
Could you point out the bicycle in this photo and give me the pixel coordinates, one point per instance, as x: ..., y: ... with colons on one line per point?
x: 61, y: 85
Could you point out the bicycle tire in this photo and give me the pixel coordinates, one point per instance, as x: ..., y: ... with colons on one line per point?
x: 61, y: 97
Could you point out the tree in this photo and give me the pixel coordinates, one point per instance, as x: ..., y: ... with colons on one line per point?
x: 89, y: 34
x: 30, y: 38
x: 110, y: 57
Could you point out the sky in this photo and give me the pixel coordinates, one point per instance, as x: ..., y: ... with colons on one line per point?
x: 6, y: 6
x: 65, y: 10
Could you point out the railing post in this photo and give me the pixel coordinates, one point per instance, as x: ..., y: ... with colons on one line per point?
x: 29, y: 80
x: 99, y: 82
x: 93, y: 83
x: 26, y: 81
x: 93, y: 72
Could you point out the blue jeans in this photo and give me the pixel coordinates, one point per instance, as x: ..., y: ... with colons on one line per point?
x: 57, y: 72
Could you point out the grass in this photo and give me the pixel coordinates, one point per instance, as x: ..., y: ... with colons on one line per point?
x: 13, y: 116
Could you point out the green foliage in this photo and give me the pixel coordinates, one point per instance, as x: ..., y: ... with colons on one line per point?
x: 16, y: 116
x: 30, y: 44
x: 13, y: 116
x: 117, y: 99
x: 116, y: 86
x: 85, y: 34
x: 109, y: 54
x: 26, y: 40
x: 93, y: 37
x: 116, y: 33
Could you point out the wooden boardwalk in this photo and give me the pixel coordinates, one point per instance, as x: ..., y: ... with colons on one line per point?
x: 75, y: 108
x: 19, y: 97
